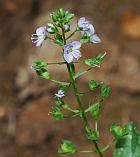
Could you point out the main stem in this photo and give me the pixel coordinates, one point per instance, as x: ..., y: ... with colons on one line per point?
x: 75, y: 90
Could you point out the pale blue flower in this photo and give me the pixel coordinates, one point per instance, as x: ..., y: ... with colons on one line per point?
x: 39, y: 37
x: 87, y: 29
x: 71, y: 51
x: 60, y: 94
x: 83, y: 24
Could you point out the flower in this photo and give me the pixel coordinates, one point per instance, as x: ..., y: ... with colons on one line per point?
x: 71, y: 51
x: 39, y: 36
x: 87, y: 29
x: 60, y: 94
x: 83, y: 24
x: 51, y: 28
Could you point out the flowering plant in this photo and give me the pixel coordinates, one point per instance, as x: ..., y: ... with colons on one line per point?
x: 126, y: 138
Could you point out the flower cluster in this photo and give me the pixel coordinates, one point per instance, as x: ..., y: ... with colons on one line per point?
x: 71, y: 50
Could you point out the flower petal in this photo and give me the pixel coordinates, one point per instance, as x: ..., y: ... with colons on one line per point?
x: 68, y: 57
x: 41, y: 31
x: 67, y: 47
x: 49, y: 29
x: 95, y: 39
x: 81, y: 21
x: 76, y: 54
x: 76, y: 44
x: 60, y: 94
x: 91, y: 29
x: 39, y: 42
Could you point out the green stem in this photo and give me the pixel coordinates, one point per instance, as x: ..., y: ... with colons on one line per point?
x: 77, y: 95
x: 108, y: 146
x: 59, y: 82
x: 75, y: 90
x: 71, y: 34
x: 101, y: 149
x: 86, y: 151
x: 50, y: 38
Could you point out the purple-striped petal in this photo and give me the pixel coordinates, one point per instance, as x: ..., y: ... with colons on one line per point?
x: 95, y: 39
x: 68, y: 57
x: 76, y: 54
x: 76, y: 44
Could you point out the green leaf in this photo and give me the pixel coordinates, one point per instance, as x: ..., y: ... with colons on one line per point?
x: 105, y: 91
x: 79, y: 73
x: 63, y: 87
x: 95, y: 110
x: 93, y: 85
x: 56, y: 113
x: 43, y: 73
x: 67, y: 147
x: 94, y: 62
x: 39, y: 64
x: 39, y: 67
x: 118, y: 131
x: 129, y: 145
x: 92, y: 135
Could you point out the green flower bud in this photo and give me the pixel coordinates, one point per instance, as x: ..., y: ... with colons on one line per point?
x: 54, y: 17
x: 95, y: 110
x: 68, y: 17
x: 92, y: 135
x: 66, y: 28
x: 61, y: 12
x: 67, y: 147
x: 105, y: 91
x: 93, y: 85
x: 118, y: 131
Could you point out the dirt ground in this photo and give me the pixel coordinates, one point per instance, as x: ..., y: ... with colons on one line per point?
x: 26, y: 130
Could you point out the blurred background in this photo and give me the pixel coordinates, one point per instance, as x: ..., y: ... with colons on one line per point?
x: 26, y: 129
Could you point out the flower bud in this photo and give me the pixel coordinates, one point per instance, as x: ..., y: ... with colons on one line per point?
x: 51, y: 28
x: 66, y: 27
